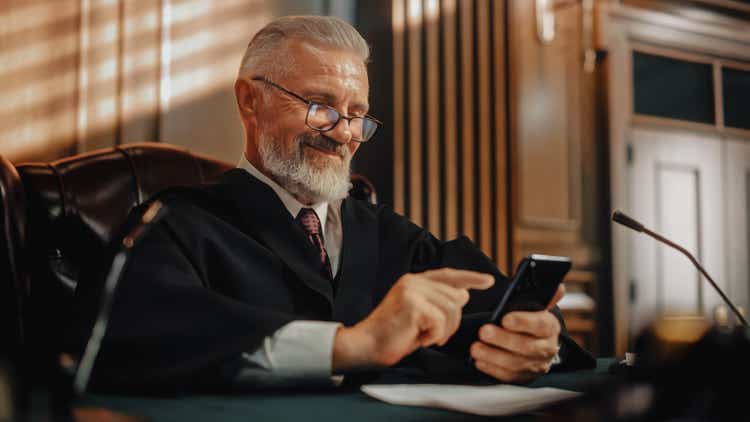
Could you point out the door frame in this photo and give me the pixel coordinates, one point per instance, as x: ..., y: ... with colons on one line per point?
x: 622, y: 30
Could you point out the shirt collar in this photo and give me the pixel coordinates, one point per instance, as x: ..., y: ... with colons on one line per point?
x: 290, y: 202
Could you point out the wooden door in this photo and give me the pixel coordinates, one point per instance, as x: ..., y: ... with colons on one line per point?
x: 675, y: 188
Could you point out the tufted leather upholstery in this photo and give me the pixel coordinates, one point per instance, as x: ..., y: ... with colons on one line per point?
x: 58, y: 217
x: 76, y: 204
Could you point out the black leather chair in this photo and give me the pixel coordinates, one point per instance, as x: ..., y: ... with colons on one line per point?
x: 57, y: 219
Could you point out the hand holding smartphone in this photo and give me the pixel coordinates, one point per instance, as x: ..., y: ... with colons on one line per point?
x: 532, y: 287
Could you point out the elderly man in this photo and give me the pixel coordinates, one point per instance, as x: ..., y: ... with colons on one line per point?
x: 273, y: 276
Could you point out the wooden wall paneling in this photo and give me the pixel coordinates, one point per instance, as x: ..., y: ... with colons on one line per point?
x: 416, y: 110
x: 165, y: 54
x: 376, y: 159
x: 92, y: 74
x: 545, y: 123
x: 498, y: 136
x: 82, y: 109
x: 101, y: 61
x: 141, y: 71
x: 432, y: 110
x: 591, y: 150
x: 449, y: 15
x: 39, y: 48
x: 483, y: 119
x: 548, y: 118
x: 548, y: 127
x: 207, y: 40
x: 450, y: 171
x: 399, y: 112
x: 466, y: 13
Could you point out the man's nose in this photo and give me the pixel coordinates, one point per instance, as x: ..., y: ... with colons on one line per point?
x: 341, y: 133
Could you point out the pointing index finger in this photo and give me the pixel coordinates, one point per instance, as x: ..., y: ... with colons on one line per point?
x: 461, y: 279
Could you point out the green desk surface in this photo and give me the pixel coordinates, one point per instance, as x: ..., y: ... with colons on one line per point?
x: 329, y: 406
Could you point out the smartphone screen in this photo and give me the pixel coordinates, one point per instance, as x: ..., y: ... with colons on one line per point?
x: 533, y: 285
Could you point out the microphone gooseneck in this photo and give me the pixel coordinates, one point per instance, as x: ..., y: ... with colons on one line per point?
x: 629, y: 222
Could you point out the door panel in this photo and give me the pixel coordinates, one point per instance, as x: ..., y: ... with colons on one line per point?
x: 738, y: 221
x: 545, y: 88
x: 676, y: 190
x: 677, y: 202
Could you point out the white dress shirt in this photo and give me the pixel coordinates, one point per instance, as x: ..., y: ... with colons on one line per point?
x: 300, y: 349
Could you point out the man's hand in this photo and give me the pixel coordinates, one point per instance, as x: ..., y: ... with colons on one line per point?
x: 522, y: 348
x: 420, y: 310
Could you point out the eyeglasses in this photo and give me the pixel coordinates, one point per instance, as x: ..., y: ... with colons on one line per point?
x: 324, y: 118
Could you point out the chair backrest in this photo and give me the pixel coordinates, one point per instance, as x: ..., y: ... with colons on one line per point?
x: 13, y: 281
x: 58, y: 217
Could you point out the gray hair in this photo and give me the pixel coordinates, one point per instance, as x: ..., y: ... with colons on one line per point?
x: 265, y: 56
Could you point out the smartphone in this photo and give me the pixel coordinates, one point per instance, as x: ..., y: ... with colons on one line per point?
x: 533, y: 285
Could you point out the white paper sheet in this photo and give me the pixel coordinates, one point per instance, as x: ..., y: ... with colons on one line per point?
x: 493, y: 400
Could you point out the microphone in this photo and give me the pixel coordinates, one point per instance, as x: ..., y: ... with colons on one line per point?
x: 629, y: 222
x: 153, y: 213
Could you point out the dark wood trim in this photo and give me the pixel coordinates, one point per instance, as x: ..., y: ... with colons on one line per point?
x: 449, y: 13
x: 415, y: 109
x: 483, y: 118
x: 432, y: 114
x: 467, y: 116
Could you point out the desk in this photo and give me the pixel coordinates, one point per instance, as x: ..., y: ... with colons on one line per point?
x: 326, y: 406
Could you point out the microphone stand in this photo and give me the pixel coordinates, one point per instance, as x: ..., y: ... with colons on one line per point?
x: 631, y: 223
x: 81, y: 374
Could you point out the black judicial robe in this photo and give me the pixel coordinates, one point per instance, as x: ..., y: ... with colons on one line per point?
x: 228, y: 266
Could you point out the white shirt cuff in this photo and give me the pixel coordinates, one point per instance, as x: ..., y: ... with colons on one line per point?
x: 299, y: 349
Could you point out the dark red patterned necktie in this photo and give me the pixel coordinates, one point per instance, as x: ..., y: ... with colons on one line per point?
x: 311, y: 224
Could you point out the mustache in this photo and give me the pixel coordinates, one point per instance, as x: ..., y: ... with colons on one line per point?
x: 325, y: 143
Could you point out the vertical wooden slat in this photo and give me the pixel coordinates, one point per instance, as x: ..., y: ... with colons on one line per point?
x: 140, y: 71
x: 433, y: 110
x: 102, y: 63
x: 83, y: 76
x: 467, y: 113
x: 414, y: 22
x: 501, y: 168
x: 165, y: 57
x: 120, y: 73
x: 398, y: 105
x: 451, y: 102
x: 483, y: 72
x: 449, y: 118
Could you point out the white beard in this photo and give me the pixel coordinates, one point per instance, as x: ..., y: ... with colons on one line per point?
x: 308, y: 179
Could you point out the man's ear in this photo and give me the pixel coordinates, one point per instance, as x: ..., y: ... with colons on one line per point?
x: 246, y: 98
